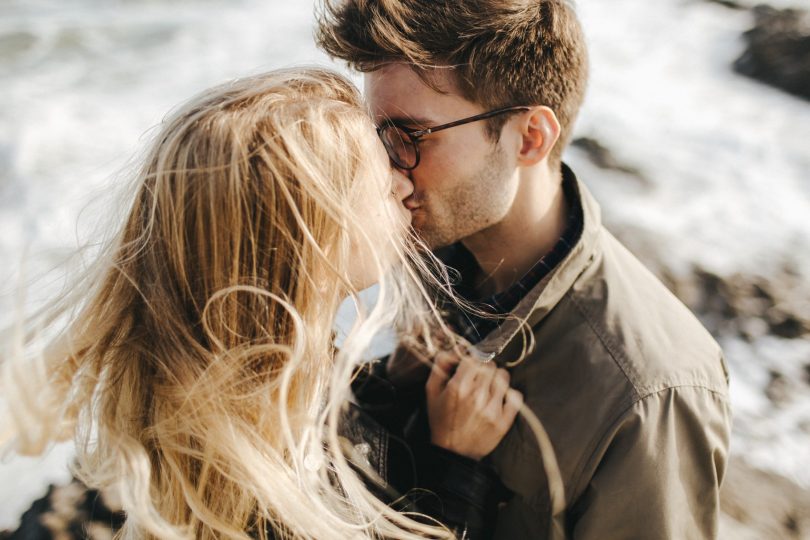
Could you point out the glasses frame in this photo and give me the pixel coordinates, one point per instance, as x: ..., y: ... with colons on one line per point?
x: 415, y: 134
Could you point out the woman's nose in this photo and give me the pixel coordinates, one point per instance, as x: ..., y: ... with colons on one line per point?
x: 403, y: 187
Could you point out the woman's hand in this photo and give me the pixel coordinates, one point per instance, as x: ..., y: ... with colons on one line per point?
x: 471, y: 410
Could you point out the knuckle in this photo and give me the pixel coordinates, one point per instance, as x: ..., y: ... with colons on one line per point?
x: 453, y: 388
x: 501, y: 386
x: 481, y: 383
x: 491, y: 416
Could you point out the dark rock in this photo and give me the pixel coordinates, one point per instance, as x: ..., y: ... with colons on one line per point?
x: 731, y: 4
x: 778, y: 389
x: 786, y: 325
x: 807, y: 373
x: 602, y: 157
x: 749, y: 306
x: 778, y: 50
x: 69, y: 511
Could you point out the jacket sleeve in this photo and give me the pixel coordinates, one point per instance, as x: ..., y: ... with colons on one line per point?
x: 659, y: 470
x: 460, y: 493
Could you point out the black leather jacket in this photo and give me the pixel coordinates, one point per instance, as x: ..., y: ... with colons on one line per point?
x: 459, y: 492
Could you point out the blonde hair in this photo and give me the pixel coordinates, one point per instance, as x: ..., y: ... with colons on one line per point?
x: 196, y: 371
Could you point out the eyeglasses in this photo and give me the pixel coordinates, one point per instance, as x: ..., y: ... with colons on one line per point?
x: 402, y: 143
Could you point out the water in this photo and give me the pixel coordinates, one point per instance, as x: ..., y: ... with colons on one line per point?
x: 726, y: 159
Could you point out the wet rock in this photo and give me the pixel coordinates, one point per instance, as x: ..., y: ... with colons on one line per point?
x: 778, y: 51
x: 721, y: 301
x: 731, y: 4
x: 602, y: 157
x: 779, y: 389
x: 786, y: 325
x: 70, y: 511
x: 745, y: 305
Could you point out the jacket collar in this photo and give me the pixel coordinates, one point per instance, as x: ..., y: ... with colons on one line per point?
x: 539, y: 301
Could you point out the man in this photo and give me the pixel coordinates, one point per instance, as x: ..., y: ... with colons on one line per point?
x: 631, y: 389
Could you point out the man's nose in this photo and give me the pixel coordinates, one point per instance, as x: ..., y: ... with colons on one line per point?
x: 403, y: 186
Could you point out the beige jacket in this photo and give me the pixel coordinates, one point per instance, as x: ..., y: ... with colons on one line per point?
x: 633, y: 393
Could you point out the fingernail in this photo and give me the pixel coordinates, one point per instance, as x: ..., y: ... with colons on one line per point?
x: 481, y: 355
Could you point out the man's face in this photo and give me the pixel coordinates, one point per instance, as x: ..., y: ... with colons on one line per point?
x: 464, y: 182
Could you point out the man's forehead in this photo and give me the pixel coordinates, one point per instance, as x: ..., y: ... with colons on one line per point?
x: 396, y: 92
x: 439, y: 79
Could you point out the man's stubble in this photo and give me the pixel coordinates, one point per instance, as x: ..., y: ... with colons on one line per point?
x: 471, y: 205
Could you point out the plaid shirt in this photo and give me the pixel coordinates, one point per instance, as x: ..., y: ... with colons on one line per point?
x: 475, y: 327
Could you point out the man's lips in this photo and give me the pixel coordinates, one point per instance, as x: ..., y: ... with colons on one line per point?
x: 411, y: 203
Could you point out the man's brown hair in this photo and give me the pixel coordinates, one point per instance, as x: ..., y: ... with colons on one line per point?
x: 502, y: 52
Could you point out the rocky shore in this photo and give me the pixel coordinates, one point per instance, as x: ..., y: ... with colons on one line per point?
x: 778, y: 51
x: 778, y: 46
x: 689, y: 101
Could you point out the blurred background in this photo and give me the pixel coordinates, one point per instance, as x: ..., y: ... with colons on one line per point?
x: 695, y: 138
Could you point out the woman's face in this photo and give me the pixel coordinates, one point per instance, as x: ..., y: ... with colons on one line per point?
x: 384, y: 218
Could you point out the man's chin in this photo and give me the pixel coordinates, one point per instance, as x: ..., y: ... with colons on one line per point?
x: 432, y: 239
x: 424, y: 234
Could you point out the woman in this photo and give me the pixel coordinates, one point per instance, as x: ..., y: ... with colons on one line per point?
x: 197, y: 371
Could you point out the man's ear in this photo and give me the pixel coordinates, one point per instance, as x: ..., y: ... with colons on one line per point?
x: 540, y: 131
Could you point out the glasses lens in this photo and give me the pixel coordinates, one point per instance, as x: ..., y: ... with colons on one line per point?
x: 399, y: 146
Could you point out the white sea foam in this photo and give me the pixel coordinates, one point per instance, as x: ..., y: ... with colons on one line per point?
x: 726, y: 158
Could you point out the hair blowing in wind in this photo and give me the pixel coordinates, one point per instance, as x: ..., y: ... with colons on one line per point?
x: 193, y: 363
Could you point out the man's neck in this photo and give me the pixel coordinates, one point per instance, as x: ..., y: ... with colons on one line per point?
x: 509, y: 249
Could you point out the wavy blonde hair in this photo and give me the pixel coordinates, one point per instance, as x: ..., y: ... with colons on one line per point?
x: 196, y: 370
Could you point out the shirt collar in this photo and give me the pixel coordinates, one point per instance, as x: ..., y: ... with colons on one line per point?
x: 539, y: 302
x: 541, y: 297
x: 499, y: 305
